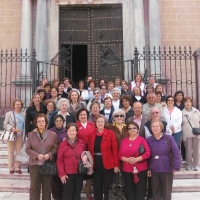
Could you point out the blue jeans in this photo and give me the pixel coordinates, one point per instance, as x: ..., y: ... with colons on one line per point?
x: 177, y: 137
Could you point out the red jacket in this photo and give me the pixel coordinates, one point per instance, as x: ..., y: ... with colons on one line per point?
x: 84, y: 133
x: 109, y: 149
x: 66, y: 160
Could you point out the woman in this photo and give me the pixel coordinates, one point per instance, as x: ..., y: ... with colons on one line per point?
x: 191, y: 117
x: 74, y: 100
x: 54, y: 96
x: 51, y: 110
x: 91, y: 86
x: 15, y: 122
x: 137, y: 97
x: 116, y: 93
x: 152, y: 81
x: 179, y: 97
x: 110, y: 86
x: 173, y: 117
x: 132, y: 160
x: 55, y: 82
x: 103, y: 92
x: 118, y: 126
x: 159, y: 88
x: 138, y: 82
x: 61, y: 92
x: 63, y: 105
x: 42, y: 94
x: 117, y: 82
x: 85, y: 129
x: 61, y: 133
x: 40, y: 146
x: 68, y: 152
x: 94, y: 108
x: 101, y: 82
x: 97, y: 97
x: 126, y: 104
x: 159, y: 98
x: 82, y: 92
x: 160, y: 167
x: 103, y: 147
x: 32, y: 111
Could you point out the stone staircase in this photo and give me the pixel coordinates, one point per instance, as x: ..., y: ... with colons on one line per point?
x: 186, y: 184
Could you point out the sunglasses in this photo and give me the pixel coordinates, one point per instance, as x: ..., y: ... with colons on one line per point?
x: 154, y: 113
x: 134, y: 128
x: 117, y: 116
x: 96, y: 93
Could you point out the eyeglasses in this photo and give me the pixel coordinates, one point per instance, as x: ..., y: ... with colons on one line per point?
x: 96, y: 93
x: 117, y: 116
x: 133, y: 128
x: 153, y: 113
x: 42, y: 121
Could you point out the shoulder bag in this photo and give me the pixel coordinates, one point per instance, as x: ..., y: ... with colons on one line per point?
x: 9, y: 136
x: 195, y: 131
x: 170, y: 153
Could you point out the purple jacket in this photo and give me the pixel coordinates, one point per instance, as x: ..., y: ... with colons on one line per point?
x: 61, y: 134
x: 160, y: 149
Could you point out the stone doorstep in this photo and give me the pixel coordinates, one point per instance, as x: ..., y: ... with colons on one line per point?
x: 4, y: 164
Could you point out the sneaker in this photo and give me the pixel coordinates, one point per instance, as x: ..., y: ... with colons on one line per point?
x: 197, y: 168
x: 188, y: 168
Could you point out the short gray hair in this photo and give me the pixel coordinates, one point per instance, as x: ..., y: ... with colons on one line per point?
x: 119, y: 111
x: 115, y: 89
x: 151, y: 93
x: 154, y: 108
x: 61, y: 101
x: 97, y: 89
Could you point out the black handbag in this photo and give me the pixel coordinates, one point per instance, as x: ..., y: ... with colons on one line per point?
x: 141, y: 149
x: 117, y: 191
x: 49, y: 167
x: 195, y: 131
x: 171, y: 155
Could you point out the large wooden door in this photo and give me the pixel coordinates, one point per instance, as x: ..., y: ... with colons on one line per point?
x: 86, y: 24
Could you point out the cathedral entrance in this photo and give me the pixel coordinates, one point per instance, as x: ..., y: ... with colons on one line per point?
x: 89, y: 29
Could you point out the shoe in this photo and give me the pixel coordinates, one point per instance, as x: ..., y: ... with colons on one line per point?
x: 197, y: 168
x: 19, y: 171
x: 12, y: 171
x: 189, y: 168
x: 89, y: 197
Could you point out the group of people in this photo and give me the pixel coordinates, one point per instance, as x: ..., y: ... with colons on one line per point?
x: 133, y: 129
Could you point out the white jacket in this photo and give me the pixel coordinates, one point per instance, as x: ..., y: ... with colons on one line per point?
x: 174, y: 119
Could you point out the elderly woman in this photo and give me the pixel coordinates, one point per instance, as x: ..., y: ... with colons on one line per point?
x: 110, y: 86
x: 97, y: 97
x: 103, y: 146
x: 126, y: 104
x: 15, y: 122
x: 173, y: 117
x: 63, y: 106
x: 138, y: 82
x: 69, y: 152
x: 116, y: 93
x: 162, y: 165
x: 51, y: 110
x: 82, y: 92
x: 35, y: 108
x: 137, y: 96
x: 118, y: 126
x: 133, y: 159
x: 191, y: 119
x: 85, y: 129
x: 74, y: 100
x: 94, y: 110
x: 41, y: 145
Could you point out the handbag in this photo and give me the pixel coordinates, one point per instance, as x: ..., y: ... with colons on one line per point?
x: 195, y: 131
x: 81, y: 167
x: 141, y: 149
x: 9, y: 136
x: 117, y: 190
x: 171, y: 156
x: 49, y: 167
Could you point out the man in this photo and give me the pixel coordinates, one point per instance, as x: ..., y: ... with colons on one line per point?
x: 67, y: 89
x: 139, y: 118
x: 108, y: 109
x: 154, y: 114
x: 151, y: 97
x: 124, y: 90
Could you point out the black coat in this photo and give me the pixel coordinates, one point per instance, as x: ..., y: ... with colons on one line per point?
x: 142, y: 100
x: 110, y: 119
x: 31, y: 112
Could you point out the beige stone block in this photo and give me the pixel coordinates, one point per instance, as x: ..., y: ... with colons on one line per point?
x: 14, y: 19
x: 180, y: 9
x: 166, y: 17
x: 167, y: 3
x: 186, y: 16
x: 163, y: 10
x: 186, y: 30
x: 163, y: 23
x: 193, y: 9
x: 12, y: 45
x: 7, y: 26
x: 169, y: 29
x: 11, y: 32
x: 193, y: 23
x: 18, y: 12
x: 6, y: 13
x: 178, y: 36
x: 13, y: 5
x: 177, y: 23
x: 185, y: 3
x: 2, y: 6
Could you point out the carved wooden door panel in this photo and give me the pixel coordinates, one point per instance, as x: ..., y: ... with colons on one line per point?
x: 86, y: 24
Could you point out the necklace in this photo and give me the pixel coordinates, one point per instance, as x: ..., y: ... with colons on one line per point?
x: 131, y: 142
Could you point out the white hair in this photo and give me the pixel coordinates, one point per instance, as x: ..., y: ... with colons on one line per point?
x: 116, y: 89
x: 118, y: 111
x: 61, y: 101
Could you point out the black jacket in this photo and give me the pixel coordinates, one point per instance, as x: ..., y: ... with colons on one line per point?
x: 31, y: 112
x: 110, y: 119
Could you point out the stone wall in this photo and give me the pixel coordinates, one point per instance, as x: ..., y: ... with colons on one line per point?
x: 180, y: 23
x: 10, y: 24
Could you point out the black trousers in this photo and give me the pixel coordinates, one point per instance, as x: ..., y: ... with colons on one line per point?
x: 135, y: 191
x: 102, y: 179
x: 72, y: 187
x: 162, y: 185
x: 183, y: 151
x: 57, y: 188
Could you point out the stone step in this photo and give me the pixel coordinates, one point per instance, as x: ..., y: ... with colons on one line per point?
x: 4, y: 154
x: 183, y: 185
x: 185, y: 174
x: 4, y: 174
x: 4, y: 164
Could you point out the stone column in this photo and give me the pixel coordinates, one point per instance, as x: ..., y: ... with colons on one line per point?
x: 139, y: 36
x: 154, y: 34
